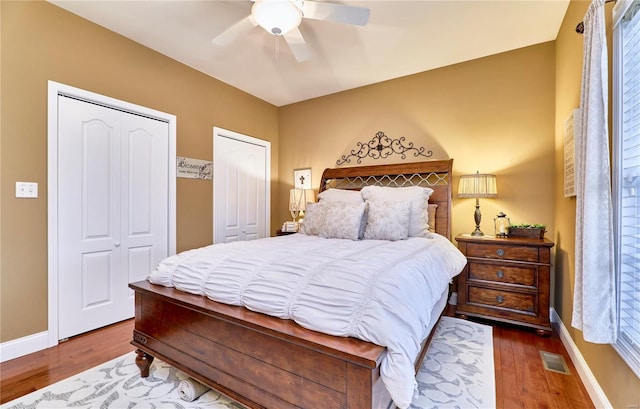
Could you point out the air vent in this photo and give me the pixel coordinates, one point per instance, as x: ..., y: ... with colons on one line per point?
x: 554, y: 362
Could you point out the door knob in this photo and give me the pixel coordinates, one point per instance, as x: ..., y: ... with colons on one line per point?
x: 117, y: 244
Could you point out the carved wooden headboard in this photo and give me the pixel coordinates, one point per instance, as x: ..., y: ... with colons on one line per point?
x: 436, y: 174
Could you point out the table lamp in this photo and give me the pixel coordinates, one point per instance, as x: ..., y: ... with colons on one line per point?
x: 298, y: 199
x: 476, y: 186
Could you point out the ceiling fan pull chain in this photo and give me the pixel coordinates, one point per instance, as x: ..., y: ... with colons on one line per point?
x: 277, y: 46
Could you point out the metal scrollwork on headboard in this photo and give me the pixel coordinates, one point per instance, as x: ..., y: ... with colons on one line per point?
x: 381, y: 146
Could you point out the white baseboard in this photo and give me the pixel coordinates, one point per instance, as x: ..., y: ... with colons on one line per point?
x: 24, y: 346
x: 596, y: 393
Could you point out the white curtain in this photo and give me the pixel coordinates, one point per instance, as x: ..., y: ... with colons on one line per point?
x: 594, y: 298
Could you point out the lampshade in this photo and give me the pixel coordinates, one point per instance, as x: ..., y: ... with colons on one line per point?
x: 298, y: 199
x: 278, y: 17
x: 477, y: 185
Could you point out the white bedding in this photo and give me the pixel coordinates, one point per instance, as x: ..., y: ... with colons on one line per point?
x: 378, y: 291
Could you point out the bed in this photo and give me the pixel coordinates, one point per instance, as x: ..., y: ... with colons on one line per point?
x: 263, y: 361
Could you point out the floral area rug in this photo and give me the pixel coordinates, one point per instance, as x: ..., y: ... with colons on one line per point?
x: 456, y: 373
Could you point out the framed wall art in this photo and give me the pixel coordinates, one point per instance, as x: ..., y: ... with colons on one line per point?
x: 302, y: 178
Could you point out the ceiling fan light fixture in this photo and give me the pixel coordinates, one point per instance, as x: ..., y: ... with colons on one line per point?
x: 277, y: 17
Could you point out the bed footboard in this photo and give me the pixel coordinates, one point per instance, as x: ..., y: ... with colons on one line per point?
x: 257, y: 360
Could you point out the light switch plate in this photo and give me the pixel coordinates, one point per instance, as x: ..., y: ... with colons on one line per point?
x: 27, y: 190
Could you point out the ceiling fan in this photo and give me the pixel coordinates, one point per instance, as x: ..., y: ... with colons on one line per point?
x: 283, y: 17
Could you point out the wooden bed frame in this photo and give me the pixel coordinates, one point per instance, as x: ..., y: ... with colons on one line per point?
x: 266, y: 362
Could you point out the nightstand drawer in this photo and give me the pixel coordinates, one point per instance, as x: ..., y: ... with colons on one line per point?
x: 502, y: 273
x: 502, y: 252
x: 503, y: 299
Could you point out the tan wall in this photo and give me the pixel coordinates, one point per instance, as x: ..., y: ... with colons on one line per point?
x: 42, y: 42
x: 619, y: 383
x: 493, y: 114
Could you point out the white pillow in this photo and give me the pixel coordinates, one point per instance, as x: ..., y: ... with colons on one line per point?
x: 418, y: 196
x: 341, y: 195
x: 314, y: 216
x: 387, y: 220
x: 342, y: 220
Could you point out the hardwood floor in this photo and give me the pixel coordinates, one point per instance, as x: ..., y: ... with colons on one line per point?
x: 26, y: 374
x: 521, y: 380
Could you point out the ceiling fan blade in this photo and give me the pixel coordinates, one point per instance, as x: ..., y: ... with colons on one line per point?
x: 337, y: 13
x: 231, y: 33
x: 297, y: 45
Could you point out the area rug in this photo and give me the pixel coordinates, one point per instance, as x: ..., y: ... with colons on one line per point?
x: 456, y: 373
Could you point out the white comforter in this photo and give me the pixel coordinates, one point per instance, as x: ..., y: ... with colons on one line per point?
x: 378, y: 291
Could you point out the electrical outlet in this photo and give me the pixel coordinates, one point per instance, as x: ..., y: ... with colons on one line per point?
x: 27, y: 190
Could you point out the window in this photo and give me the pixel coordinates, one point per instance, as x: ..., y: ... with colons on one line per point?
x: 626, y: 173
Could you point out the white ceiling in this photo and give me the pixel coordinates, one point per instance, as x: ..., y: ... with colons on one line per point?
x: 401, y: 38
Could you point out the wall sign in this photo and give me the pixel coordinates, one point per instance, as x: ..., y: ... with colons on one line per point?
x: 194, y: 168
x: 571, y: 131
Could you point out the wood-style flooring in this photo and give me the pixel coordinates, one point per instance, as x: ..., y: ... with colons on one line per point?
x: 521, y: 380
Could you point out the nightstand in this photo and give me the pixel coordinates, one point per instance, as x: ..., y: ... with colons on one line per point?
x: 284, y: 233
x: 506, y: 280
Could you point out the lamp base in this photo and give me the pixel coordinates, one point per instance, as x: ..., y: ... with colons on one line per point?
x: 477, y: 217
x: 477, y: 233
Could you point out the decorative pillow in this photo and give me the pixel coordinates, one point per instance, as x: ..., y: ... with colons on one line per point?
x: 342, y: 220
x: 419, y: 198
x: 431, y: 220
x: 341, y: 195
x: 387, y: 220
x: 313, y: 220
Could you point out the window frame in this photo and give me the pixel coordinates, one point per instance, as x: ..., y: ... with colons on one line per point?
x: 629, y: 353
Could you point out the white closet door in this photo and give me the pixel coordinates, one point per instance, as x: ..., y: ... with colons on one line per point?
x: 240, y: 187
x: 112, y: 211
x: 144, y: 196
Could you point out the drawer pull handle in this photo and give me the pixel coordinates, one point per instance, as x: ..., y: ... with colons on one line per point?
x: 500, y: 299
x: 500, y: 252
x: 500, y: 273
